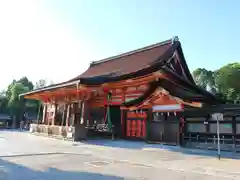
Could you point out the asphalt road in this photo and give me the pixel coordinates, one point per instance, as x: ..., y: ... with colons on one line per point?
x: 26, y: 156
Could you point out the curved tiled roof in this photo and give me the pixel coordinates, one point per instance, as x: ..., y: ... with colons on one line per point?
x: 166, y: 56
x: 127, y: 62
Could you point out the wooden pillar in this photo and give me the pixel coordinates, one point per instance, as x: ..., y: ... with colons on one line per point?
x: 207, y: 124
x: 73, y: 112
x: 234, y: 125
x: 68, y: 114
x: 149, y: 119
x: 55, y: 114
x: 63, y: 115
x: 39, y: 111
x: 124, y: 95
x: 123, y: 117
x: 44, y: 113
x: 79, y: 111
x: 82, y: 112
x: 234, y: 128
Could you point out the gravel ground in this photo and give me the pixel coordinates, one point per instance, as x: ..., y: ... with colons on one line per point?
x: 26, y: 156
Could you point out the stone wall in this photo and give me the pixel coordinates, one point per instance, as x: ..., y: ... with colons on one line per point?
x: 63, y: 132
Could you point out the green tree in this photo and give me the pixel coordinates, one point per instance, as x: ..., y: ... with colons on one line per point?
x: 3, y: 102
x: 224, y: 82
x: 15, y: 104
x: 9, y: 92
x: 227, y: 81
x: 24, y: 80
x: 205, y: 79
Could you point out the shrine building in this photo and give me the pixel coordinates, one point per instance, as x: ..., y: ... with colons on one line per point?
x: 140, y: 94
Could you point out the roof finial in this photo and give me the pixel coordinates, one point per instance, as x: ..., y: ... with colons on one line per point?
x: 92, y: 63
x: 175, y: 39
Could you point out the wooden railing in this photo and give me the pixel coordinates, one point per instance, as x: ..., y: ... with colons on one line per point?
x: 227, y: 142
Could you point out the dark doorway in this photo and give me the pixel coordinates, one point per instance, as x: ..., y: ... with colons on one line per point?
x: 115, y: 113
x: 156, y: 127
x: 164, y: 128
x: 171, y: 130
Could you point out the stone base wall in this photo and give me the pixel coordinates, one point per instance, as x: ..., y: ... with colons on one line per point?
x: 64, y: 132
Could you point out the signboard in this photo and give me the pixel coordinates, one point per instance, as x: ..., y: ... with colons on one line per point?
x: 217, y: 116
x: 171, y: 107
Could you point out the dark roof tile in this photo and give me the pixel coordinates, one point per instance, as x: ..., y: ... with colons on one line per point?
x: 127, y: 62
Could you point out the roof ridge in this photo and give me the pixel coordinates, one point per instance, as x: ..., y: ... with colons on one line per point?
x: 175, y: 38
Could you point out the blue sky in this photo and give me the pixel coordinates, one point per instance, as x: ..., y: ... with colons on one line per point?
x: 57, y: 39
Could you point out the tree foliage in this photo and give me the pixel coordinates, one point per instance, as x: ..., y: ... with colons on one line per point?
x: 227, y: 81
x: 224, y: 81
x: 205, y: 79
x: 12, y: 104
x: 16, y: 104
x: 3, y: 102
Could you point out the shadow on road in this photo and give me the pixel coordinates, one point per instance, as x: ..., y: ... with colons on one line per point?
x: 117, y: 143
x: 13, y: 130
x: 140, y: 145
x: 12, y: 171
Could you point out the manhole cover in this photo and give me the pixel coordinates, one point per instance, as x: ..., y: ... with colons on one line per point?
x: 99, y: 163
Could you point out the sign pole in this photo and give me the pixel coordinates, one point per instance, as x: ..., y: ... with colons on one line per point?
x: 218, y: 117
x: 218, y: 136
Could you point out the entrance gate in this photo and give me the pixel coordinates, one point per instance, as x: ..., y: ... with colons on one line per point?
x: 165, y: 129
x: 136, y: 124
